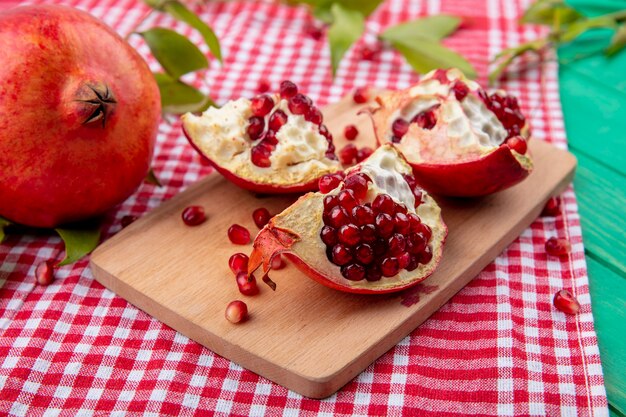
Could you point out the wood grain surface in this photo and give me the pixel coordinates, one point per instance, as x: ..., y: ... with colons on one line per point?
x: 304, y: 336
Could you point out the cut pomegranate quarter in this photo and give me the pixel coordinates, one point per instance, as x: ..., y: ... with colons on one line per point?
x: 460, y: 140
x: 375, y: 232
x: 269, y: 144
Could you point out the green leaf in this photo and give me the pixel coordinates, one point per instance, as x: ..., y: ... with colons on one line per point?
x: 3, y: 223
x: 182, y: 13
x: 156, y: 4
x: 176, y: 54
x: 434, y: 28
x: 578, y: 28
x: 322, y: 8
x: 618, y: 42
x: 79, y: 241
x: 178, y: 97
x: 426, y: 55
x: 347, y: 27
x: 507, y: 56
x: 545, y: 12
x: 151, y: 178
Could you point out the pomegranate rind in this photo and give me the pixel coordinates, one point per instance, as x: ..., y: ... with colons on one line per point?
x: 295, y: 233
x: 475, y: 169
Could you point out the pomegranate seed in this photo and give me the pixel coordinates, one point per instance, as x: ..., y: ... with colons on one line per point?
x: 239, y: 235
x: 314, y: 31
x: 247, y: 285
x: 403, y: 224
x: 404, y: 259
x: 416, y: 243
x: 193, y: 215
x: 328, y: 236
x: 414, y: 222
x: 353, y: 272
x: 277, y: 120
x: 518, y: 144
x: 260, y: 156
x: 349, y: 234
x: 255, y: 127
x: 363, y: 215
x: 314, y: 116
x: 396, y: 244
x: 330, y: 201
x: 341, y: 254
x: 358, y: 183
x: 261, y: 105
x: 566, y: 302
x: 380, y: 247
x: 361, y: 95
x: 288, y: 89
x: 264, y: 86
x: 270, y: 139
x: 389, y: 267
x: 347, y: 154
x: 424, y: 230
x: 277, y: 263
x: 261, y: 216
x: 441, y: 75
x: 426, y: 119
x: 369, y: 52
x: 426, y: 256
x: 347, y: 200
x: 373, y: 273
x: 238, y: 262
x: 127, y: 220
x: 350, y: 132
x: 299, y: 104
x: 413, y: 263
x: 552, y: 207
x: 383, y: 203
x: 364, y: 254
x: 364, y: 153
x: 325, y: 132
x: 44, y: 272
x: 368, y: 233
x: 384, y: 224
x: 399, y: 127
x: 460, y: 90
x: 328, y: 183
x: 557, y: 247
x: 236, y: 311
x: 338, y: 217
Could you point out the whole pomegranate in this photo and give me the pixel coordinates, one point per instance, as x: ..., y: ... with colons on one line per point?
x: 79, y: 111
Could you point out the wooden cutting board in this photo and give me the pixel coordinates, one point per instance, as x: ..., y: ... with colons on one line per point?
x: 304, y: 336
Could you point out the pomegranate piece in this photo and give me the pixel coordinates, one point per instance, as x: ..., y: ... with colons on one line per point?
x: 236, y: 311
x: 238, y: 262
x: 557, y: 246
x: 252, y: 142
x: 552, y: 207
x: 350, y: 132
x: 247, y: 284
x: 451, y: 156
x: 193, y: 215
x: 361, y: 95
x: 261, y: 216
x: 566, y: 302
x: 44, y: 272
x: 367, y: 234
x: 238, y: 234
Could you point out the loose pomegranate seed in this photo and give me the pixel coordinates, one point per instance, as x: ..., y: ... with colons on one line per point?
x: 399, y: 127
x: 44, y: 272
x: 557, y: 247
x: 261, y: 216
x: 264, y: 86
x: 347, y: 200
x: 341, y: 254
x: 518, y: 144
x: 314, y: 31
x: 277, y: 120
x: 247, y: 285
x: 350, y: 132
x: 349, y: 234
x: 127, y: 220
x: 261, y: 105
x: 193, y: 215
x: 362, y: 215
x: 552, y: 207
x: 338, y: 217
x: 255, y: 128
x: 299, y: 104
x: 353, y: 272
x: 238, y: 234
x: 238, y: 262
x: 288, y: 89
x: 385, y: 224
x: 314, y: 115
x: 361, y: 95
x: 358, y: 183
x: 426, y: 256
x: 566, y: 302
x: 236, y: 311
x: 363, y: 153
x: 389, y: 267
x: 369, y: 52
x: 426, y: 119
x: 328, y: 236
x: 328, y: 182
x: 460, y: 90
x: 347, y: 154
x: 364, y: 254
x: 260, y: 156
x: 277, y: 263
x: 383, y: 203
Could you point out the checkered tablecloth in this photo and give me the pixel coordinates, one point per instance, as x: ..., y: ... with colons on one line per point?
x: 496, y: 348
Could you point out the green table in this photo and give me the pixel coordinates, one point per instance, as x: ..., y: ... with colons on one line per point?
x: 593, y: 94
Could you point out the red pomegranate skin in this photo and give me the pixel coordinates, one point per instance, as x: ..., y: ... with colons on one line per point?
x: 59, y: 68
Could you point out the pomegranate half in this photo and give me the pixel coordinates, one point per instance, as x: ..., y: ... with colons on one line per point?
x: 270, y: 144
x: 460, y: 140
x: 376, y: 232
x: 79, y: 112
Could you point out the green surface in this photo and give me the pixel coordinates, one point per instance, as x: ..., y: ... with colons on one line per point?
x: 593, y: 94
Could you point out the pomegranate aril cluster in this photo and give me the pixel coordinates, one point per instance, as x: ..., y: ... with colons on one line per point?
x: 426, y: 119
x: 267, y: 119
x: 371, y: 240
x: 506, y: 108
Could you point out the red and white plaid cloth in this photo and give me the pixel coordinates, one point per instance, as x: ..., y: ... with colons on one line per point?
x: 496, y: 348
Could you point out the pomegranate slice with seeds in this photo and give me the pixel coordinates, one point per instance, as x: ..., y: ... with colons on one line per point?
x: 375, y: 232
x: 460, y: 140
x: 273, y: 143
